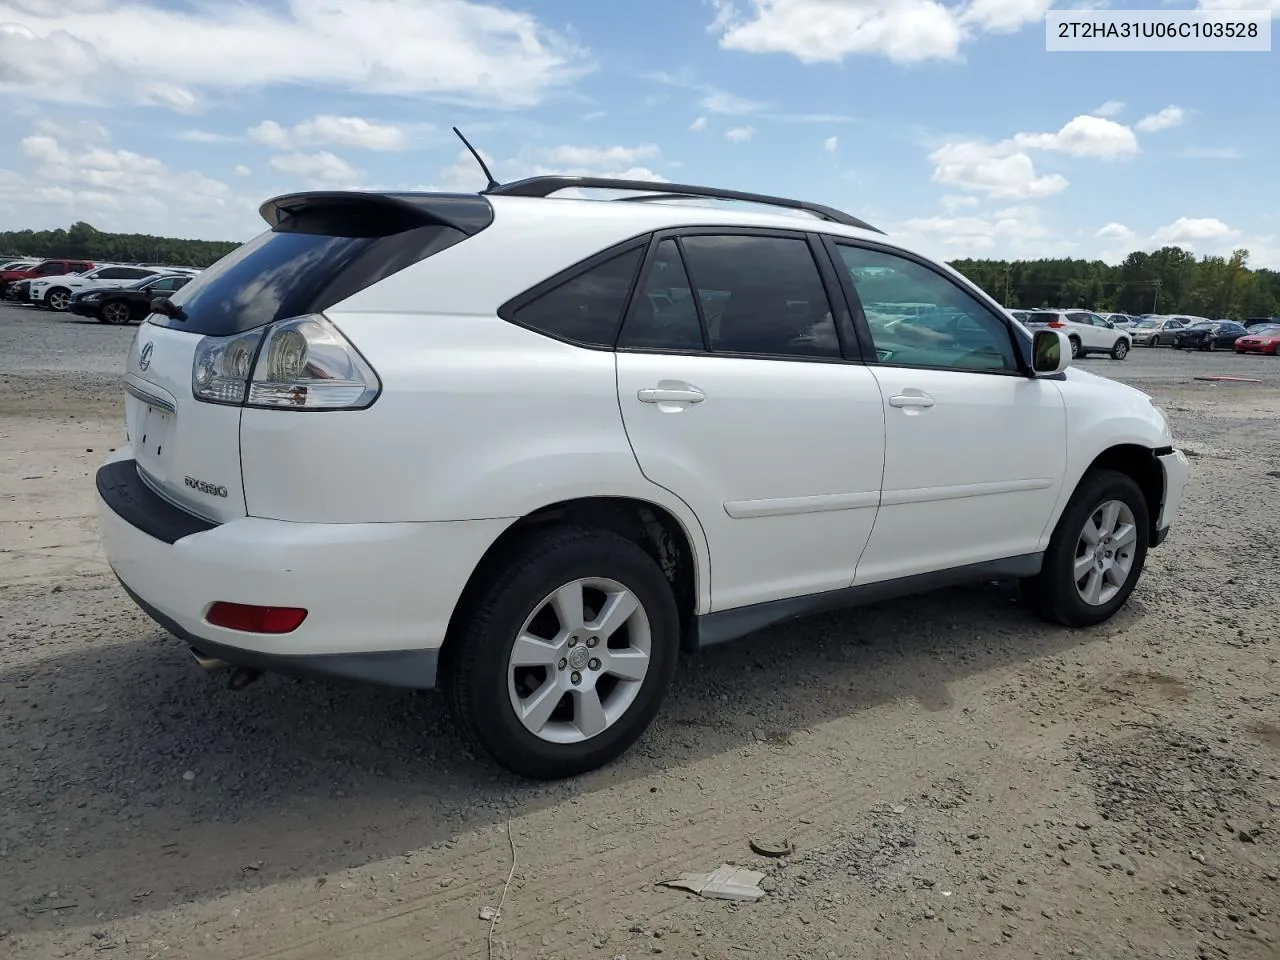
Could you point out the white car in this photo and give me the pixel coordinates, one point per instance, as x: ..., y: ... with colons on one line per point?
x: 527, y: 449
x: 1087, y: 332
x: 55, y: 292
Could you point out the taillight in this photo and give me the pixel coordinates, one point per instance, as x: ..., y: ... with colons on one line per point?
x: 304, y: 363
x: 1056, y: 324
x: 254, y: 619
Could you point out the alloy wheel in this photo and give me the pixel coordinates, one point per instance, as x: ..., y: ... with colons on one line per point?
x: 579, y: 660
x: 116, y: 312
x: 58, y: 300
x: 1105, y: 552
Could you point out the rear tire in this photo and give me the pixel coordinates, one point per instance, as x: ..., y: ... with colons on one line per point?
x: 1057, y: 594
x: 1077, y: 350
x: 492, y: 691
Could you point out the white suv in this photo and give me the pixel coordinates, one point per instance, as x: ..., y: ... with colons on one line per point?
x: 1087, y: 332
x: 528, y: 448
x: 55, y: 292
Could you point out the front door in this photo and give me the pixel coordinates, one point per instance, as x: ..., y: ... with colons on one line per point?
x: 736, y: 398
x: 975, y: 451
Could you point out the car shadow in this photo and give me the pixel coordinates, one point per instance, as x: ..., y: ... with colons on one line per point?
x: 135, y: 781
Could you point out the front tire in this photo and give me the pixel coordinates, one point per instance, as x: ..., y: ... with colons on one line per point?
x: 1120, y: 349
x: 57, y: 299
x: 1096, y: 554
x: 115, y: 312
x: 564, y: 652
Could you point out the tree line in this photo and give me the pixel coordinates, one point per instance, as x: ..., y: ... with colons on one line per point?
x: 85, y: 242
x: 1170, y: 280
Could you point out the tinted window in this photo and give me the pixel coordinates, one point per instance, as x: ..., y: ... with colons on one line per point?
x: 663, y: 315
x: 303, y: 267
x: 115, y: 273
x: 761, y: 295
x: 50, y: 269
x: 588, y: 308
x: 958, y: 332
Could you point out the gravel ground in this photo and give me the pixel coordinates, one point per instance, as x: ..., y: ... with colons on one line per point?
x: 958, y: 779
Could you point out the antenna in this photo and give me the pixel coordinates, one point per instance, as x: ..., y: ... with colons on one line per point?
x: 492, y: 184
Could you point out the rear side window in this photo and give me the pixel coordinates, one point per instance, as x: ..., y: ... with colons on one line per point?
x: 664, y: 316
x: 761, y: 295
x: 585, y: 309
x: 313, y: 259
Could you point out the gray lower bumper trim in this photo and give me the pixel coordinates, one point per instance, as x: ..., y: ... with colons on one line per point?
x: 414, y: 669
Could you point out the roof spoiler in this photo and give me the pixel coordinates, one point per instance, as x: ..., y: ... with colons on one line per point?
x: 382, y: 213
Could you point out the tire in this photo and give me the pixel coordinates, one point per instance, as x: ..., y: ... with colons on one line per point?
x: 57, y: 299
x: 1210, y: 345
x: 483, y: 686
x: 115, y: 312
x: 1077, y: 350
x: 1054, y: 593
x: 1120, y: 349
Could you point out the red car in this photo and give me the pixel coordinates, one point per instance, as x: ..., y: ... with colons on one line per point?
x: 45, y: 268
x: 1262, y: 339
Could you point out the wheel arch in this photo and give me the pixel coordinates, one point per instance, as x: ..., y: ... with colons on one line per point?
x: 678, y: 551
x: 1136, y: 461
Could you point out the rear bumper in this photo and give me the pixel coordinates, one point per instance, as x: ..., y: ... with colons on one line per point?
x: 1177, y: 475
x: 379, y: 596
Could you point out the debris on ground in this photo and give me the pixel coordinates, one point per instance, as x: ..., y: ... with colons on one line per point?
x: 723, y: 883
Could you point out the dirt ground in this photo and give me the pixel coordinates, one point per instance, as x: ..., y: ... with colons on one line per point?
x: 958, y: 779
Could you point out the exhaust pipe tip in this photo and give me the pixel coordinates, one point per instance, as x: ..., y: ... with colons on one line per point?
x: 241, y: 677
x: 211, y: 664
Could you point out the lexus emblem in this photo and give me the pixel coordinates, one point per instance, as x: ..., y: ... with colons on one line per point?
x: 144, y: 358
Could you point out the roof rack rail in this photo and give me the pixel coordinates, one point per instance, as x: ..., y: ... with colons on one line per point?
x: 545, y: 186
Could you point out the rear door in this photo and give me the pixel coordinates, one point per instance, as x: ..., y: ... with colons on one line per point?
x: 737, y: 398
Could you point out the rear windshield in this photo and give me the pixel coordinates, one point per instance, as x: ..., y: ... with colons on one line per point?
x: 303, y: 266
x: 1041, y: 318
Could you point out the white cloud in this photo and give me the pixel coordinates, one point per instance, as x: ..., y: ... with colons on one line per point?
x: 992, y: 170
x: 600, y: 157
x: 459, y: 51
x: 1212, y: 153
x: 816, y: 31
x: 1014, y: 232
x: 1004, y: 16
x: 699, y: 124
x: 953, y: 202
x: 241, y: 170
x: 326, y: 129
x: 740, y: 134
x: 1112, y: 108
x: 1272, y: 5
x: 206, y: 136
x: 1115, y: 232
x: 322, y: 168
x: 1085, y: 136
x: 1188, y: 231
x: 1163, y: 120
x: 831, y: 144
x: 81, y: 177
x: 720, y: 102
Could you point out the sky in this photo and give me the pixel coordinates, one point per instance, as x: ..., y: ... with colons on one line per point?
x: 944, y: 122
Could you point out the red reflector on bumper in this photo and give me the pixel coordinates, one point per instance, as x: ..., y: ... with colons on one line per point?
x: 252, y: 619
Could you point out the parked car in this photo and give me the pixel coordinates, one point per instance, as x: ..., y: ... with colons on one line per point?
x: 1209, y: 335
x: 1121, y: 321
x: 1153, y: 331
x: 1260, y: 321
x: 121, y: 305
x: 55, y: 292
x: 1262, y: 338
x: 528, y: 450
x: 45, y: 268
x: 1087, y: 332
x: 16, y: 265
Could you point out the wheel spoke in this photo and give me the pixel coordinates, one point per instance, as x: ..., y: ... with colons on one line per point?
x: 536, y: 710
x: 1091, y: 534
x: 1093, y: 586
x: 1110, y: 515
x: 567, y: 603
x: 588, y: 712
x: 1083, y: 565
x: 530, y: 651
x: 629, y: 664
x: 617, y: 610
x: 1125, y: 534
x: 1116, y: 576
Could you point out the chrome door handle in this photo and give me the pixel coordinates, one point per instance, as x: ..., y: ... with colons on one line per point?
x: 670, y: 395
x: 911, y: 400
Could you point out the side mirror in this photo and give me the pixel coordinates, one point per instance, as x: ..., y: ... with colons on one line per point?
x: 1051, y: 352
